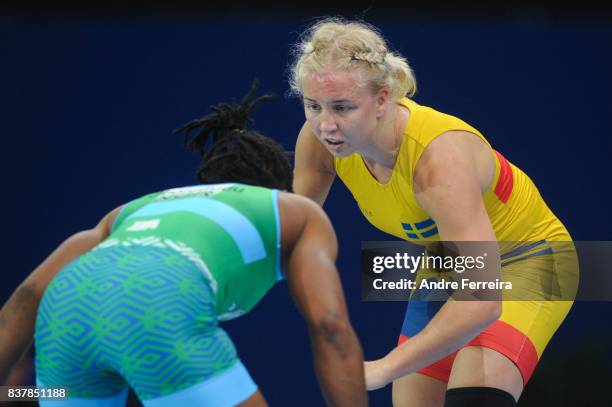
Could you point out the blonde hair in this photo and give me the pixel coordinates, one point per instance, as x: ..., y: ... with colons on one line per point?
x: 341, y: 44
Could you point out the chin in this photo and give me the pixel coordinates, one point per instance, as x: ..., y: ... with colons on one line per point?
x: 341, y: 153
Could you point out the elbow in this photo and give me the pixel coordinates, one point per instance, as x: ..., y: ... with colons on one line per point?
x: 329, y: 325
x: 333, y: 331
x: 491, y: 311
x: 29, y: 291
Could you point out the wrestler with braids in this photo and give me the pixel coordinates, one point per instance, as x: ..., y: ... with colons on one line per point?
x: 235, y: 152
x: 136, y: 300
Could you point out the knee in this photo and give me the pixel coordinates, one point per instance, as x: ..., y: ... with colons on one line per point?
x: 478, y: 396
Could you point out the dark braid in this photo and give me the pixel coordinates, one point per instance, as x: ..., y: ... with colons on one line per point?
x: 235, y: 154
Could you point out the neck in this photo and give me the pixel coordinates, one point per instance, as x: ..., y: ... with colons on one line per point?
x: 387, y: 139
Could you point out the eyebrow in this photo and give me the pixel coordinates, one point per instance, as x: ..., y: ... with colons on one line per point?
x: 333, y: 101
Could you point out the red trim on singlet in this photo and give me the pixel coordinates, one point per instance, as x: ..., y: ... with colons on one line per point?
x: 505, y: 182
x: 501, y: 337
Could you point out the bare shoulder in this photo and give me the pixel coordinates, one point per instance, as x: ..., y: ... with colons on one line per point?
x: 455, y: 143
x: 311, y: 154
x: 298, y: 214
x: 298, y: 206
x: 314, y: 170
x: 454, y: 153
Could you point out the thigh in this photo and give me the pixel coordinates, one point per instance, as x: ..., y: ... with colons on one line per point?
x: 67, y: 342
x: 230, y: 387
x: 117, y: 400
x: 477, y: 366
x: 418, y: 390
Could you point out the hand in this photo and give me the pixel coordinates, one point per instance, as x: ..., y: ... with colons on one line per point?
x: 376, y: 375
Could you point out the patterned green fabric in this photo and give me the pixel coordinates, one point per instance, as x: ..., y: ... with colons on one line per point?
x: 144, y: 315
x: 230, y: 231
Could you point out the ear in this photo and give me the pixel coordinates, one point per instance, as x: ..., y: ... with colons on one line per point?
x: 382, y: 101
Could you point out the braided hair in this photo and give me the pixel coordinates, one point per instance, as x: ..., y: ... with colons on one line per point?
x: 231, y: 153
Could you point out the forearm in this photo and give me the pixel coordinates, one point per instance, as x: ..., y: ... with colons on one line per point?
x: 17, y: 318
x: 463, y: 317
x: 339, y: 366
x: 455, y: 324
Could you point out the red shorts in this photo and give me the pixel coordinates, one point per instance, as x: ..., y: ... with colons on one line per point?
x: 500, y: 337
x: 524, y: 327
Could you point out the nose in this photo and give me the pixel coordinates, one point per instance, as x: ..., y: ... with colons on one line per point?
x: 327, y: 123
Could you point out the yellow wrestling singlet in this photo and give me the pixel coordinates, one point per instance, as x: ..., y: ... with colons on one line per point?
x: 535, y: 248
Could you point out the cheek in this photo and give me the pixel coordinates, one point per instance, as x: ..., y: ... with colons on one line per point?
x: 360, y: 125
x: 369, y: 122
x: 309, y: 116
x: 311, y: 120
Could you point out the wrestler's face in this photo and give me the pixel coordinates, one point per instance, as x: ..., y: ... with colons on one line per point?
x: 341, y: 111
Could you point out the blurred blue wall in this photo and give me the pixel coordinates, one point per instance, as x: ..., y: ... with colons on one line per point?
x: 88, y: 107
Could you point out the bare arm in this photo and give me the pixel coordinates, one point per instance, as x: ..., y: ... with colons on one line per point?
x: 18, y: 315
x: 314, y: 170
x: 447, y: 186
x: 316, y: 288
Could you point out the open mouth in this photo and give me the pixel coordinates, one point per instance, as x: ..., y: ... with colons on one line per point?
x: 334, y: 143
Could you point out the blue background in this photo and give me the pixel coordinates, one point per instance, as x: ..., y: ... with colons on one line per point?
x: 88, y: 106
